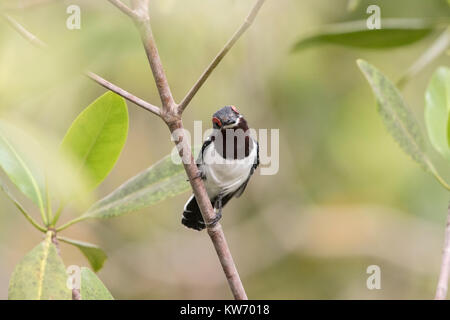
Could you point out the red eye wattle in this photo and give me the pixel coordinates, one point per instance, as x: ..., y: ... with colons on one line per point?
x: 217, y: 121
x: 235, y: 109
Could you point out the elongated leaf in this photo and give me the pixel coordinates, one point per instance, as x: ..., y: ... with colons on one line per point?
x: 92, y: 288
x: 40, y: 275
x: 396, y: 115
x: 393, y: 33
x: 20, y: 207
x: 42, y: 150
x: 95, y: 255
x: 437, y: 110
x: 97, y: 136
x: 19, y: 166
x: 161, y: 181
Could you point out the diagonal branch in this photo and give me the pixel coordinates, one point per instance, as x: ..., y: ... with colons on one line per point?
x: 23, y: 32
x: 124, y: 8
x: 247, y: 23
x: 121, y: 92
x: 168, y: 103
x: 171, y: 114
x: 21, y: 208
x: 104, y: 83
x: 434, y: 51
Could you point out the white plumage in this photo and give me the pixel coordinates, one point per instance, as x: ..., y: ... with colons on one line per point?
x: 225, y: 176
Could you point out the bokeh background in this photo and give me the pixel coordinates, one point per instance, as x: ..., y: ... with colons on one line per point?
x: 345, y: 196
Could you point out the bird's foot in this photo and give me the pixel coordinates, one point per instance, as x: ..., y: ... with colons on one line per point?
x: 215, y: 220
x: 218, y: 206
x: 199, y: 175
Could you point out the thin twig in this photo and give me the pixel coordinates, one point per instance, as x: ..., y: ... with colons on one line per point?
x: 171, y: 114
x: 23, y: 32
x: 124, y: 8
x: 215, y: 231
x: 22, y: 209
x: 156, y: 65
x: 436, y: 49
x: 76, y: 295
x: 247, y: 23
x: 110, y: 86
x: 441, y: 291
x: 104, y: 83
x: 71, y: 222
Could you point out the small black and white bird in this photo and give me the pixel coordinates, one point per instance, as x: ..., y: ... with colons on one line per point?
x: 226, y: 162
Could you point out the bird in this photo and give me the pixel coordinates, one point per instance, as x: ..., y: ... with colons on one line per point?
x: 227, y: 160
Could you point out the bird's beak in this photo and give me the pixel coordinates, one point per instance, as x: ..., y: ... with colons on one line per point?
x: 234, y: 124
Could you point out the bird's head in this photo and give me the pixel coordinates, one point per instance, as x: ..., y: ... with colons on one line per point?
x: 227, y: 118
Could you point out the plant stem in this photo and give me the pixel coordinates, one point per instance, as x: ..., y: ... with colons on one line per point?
x: 171, y: 114
x: 124, y: 8
x: 48, y: 210
x: 215, y: 231
x: 30, y: 37
x: 71, y: 222
x: 437, y: 176
x: 247, y: 23
x: 156, y: 66
x: 441, y: 291
x: 57, y: 214
x: 125, y: 94
x: 434, y: 51
x: 22, y: 209
x: 23, y: 32
x: 75, y: 292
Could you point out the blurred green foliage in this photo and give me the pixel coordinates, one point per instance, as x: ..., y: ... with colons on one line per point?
x: 347, y: 196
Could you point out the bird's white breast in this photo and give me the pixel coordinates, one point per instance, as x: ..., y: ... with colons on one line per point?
x: 225, y: 176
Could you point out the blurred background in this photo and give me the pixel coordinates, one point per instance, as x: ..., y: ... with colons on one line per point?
x: 345, y: 197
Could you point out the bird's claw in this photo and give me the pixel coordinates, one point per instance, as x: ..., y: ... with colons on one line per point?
x: 218, y: 206
x: 214, y: 221
x: 198, y: 175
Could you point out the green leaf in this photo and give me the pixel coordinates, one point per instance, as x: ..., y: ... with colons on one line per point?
x: 40, y: 275
x: 161, y: 181
x: 396, y: 115
x: 393, y: 33
x: 97, y: 136
x: 95, y: 255
x: 92, y: 288
x: 437, y: 110
x: 18, y: 165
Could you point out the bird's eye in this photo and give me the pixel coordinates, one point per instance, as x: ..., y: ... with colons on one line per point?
x: 235, y: 109
x: 217, y: 121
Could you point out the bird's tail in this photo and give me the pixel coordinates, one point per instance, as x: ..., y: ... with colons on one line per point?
x: 192, y: 216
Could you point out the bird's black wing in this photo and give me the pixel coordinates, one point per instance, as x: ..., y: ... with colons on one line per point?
x: 206, y: 143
